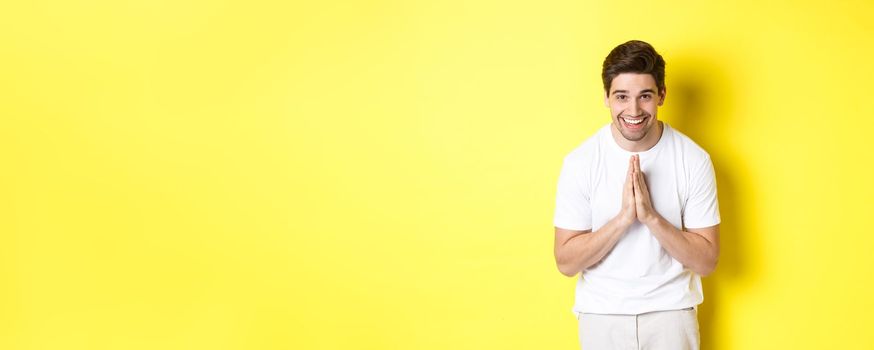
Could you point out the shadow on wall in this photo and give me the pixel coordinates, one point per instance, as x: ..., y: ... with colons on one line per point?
x: 701, y: 103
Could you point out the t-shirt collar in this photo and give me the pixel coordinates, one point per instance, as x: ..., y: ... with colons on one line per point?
x: 662, y: 140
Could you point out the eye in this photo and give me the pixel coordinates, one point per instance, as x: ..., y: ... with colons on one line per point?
x: 621, y: 97
x: 646, y: 97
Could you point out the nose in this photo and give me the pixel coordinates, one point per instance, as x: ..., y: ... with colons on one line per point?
x: 634, y: 108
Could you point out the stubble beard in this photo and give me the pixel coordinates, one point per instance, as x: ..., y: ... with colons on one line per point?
x: 623, y: 132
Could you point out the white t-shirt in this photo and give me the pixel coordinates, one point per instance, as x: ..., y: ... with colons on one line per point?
x: 638, y: 275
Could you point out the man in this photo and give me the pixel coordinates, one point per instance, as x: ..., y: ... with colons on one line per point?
x: 637, y: 215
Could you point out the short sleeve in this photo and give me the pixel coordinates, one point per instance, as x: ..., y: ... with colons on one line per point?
x: 572, y: 209
x: 702, y: 205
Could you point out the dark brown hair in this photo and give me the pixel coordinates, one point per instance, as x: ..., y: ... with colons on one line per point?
x: 634, y: 56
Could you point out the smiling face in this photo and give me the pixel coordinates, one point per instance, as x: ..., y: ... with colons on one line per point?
x: 634, y: 100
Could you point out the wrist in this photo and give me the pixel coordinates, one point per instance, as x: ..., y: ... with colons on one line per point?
x: 624, y: 222
x: 651, y: 220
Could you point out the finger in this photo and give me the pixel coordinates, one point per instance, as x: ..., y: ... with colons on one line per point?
x: 639, y: 177
x: 636, y: 187
x: 630, y: 178
x: 637, y: 163
x: 643, y: 183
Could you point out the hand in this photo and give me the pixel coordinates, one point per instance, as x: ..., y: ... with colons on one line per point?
x: 643, y: 203
x: 628, y: 213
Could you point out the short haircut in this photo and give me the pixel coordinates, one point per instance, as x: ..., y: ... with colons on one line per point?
x: 634, y: 56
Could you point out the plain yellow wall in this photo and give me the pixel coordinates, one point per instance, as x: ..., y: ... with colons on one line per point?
x: 381, y: 174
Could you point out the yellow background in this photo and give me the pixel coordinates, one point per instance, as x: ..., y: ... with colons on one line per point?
x: 381, y: 174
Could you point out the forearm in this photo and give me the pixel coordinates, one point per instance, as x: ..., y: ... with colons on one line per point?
x: 584, y: 250
x: 690, y: 249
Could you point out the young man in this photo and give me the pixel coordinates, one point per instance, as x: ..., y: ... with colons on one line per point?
x: 637, y: 215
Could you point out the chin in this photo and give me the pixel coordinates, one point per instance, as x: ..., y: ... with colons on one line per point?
x: 633, y: 139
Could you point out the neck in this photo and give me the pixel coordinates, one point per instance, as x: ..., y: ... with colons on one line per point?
x: 647, y: 142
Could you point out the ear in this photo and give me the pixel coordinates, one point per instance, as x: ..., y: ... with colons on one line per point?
x: 606, y: 99
x: 662, y: 95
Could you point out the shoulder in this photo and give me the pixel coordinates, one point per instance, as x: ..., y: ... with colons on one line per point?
x: 587, y: 150
x: 692, y: 153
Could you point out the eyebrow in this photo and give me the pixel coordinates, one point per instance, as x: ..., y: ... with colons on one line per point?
x: 626, y: 91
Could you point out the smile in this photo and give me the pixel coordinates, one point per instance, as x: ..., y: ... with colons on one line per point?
x: 635, y: 123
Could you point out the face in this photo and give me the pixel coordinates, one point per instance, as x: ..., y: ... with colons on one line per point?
x: 634, y: 100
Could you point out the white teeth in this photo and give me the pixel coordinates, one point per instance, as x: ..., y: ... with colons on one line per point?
x: 633, y: 121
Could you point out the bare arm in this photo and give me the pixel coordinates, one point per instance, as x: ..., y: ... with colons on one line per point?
x: 695, y: 248
x: 578, y: 250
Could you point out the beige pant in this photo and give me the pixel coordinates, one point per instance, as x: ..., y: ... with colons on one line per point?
x: 672, y: 329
